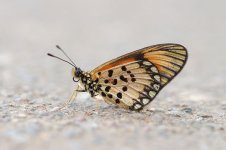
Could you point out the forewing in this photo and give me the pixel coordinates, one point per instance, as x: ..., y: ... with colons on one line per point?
x: 133, y: 80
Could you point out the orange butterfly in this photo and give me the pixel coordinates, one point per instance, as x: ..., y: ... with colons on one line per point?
x: 133, y: 80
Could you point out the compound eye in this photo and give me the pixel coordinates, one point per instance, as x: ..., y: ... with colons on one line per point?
x: 78, y: 72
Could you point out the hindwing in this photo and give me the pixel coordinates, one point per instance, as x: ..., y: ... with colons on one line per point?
x: 133, y: 80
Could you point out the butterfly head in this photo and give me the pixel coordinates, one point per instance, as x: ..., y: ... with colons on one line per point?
x: 76, y: 72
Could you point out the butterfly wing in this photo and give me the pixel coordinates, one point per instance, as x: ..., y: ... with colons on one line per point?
x: 134, y: 79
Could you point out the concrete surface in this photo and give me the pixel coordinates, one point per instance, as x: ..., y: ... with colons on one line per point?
x: 189, y: 113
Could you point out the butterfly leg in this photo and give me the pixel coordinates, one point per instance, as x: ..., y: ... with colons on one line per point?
x: 68, y: 101
x: 74, y: 94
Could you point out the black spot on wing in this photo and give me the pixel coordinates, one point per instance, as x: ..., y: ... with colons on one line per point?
x: 117, y: 101
x: 110, y: 73
x: 103, y: 94
x: 128, y: 71
x: 124, y: 88
x: 123, y: 68
x: 115, y: 81
x: 123, y: 78
x: 132, y: 75
x: 133, y: 79
x: 109, y: 95
x: 119, y: 95
x: 107, y: 89
x: 106, y: 81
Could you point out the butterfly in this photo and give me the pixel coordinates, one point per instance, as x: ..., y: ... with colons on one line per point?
x: 133, y: 80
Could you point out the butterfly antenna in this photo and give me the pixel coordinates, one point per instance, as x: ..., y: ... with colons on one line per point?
x: 57, y: 46
x: 51, y: 55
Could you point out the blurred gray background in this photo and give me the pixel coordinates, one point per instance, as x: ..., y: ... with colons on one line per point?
x: 93, y: 32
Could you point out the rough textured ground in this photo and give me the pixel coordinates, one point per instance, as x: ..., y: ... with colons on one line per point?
x: 189, y: 113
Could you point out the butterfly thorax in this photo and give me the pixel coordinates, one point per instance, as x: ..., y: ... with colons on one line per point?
x: 89, y: 85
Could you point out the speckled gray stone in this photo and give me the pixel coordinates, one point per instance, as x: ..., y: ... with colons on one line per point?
x: 188, y: 114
